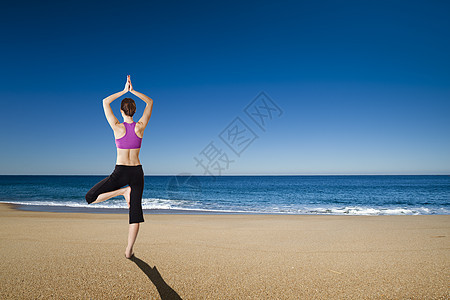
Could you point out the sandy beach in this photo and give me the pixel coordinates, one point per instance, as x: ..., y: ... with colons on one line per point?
x: 81, y: 255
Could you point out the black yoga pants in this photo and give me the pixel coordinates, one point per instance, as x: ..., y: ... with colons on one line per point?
x: 121, y: 176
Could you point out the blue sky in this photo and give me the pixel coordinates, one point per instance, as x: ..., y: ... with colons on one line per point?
x: 364, y: 87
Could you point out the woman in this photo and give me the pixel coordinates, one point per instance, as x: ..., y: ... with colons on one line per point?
x: 127, y: 179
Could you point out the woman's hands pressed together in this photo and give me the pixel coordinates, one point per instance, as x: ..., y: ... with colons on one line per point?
x: 128, y: 86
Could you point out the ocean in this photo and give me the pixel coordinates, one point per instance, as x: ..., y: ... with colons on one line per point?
x: 319, y: 195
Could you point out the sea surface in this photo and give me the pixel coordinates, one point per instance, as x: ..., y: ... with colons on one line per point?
x: 321, y: 195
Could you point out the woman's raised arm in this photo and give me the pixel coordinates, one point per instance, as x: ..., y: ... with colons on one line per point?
x: 112, y: 120
x: 148, y: 108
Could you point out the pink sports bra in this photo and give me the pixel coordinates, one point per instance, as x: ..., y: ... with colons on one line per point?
x: 130, y: 140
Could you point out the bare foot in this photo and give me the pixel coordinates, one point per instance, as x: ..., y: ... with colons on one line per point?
x: 127, y: 194
x: 129, y: 253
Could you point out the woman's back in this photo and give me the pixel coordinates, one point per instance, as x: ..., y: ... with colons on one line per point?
x: 128, y: 157
x: 128, y: 137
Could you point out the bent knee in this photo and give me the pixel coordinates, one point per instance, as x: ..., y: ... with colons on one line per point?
x: 90, y: 197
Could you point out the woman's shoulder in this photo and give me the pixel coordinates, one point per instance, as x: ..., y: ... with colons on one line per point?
x: 118, y: 126
x: 119, y: 130
x: 139, y: 129
x: 139, y: 125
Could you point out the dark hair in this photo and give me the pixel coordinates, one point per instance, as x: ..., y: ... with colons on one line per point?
x: 128, y: 106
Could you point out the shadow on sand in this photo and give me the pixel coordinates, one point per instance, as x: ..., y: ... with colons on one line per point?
x: 164, y: 290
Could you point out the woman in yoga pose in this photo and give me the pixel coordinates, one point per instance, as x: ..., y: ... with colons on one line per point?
x: 127, y: 179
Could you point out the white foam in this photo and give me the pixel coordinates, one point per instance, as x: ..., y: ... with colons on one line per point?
x: 358, y: 210
x: 147, y: 203
x: 189, y: 205
x: 68, y: 204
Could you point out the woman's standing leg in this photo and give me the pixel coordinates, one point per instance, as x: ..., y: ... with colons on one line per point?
x: 136, y: 215
x: 133, y: 230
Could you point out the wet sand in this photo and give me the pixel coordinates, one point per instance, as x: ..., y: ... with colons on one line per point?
x: 81, y: 255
